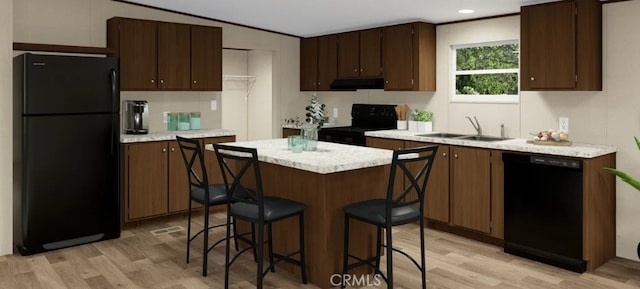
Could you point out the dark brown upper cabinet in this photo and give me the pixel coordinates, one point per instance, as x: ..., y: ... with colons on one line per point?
x: 561, y: 46
x: 136, y: 43
x: 166, y: 56
x: 409, y: 57
x: 206, y: 58
x: 318, y: 62
x: 174, y: 56
x: 309, y: 64
x: 360, y: 54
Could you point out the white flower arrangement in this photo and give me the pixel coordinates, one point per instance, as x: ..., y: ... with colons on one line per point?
x: 315, y: 111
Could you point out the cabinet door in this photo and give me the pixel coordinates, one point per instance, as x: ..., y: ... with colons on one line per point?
x: 436, y: 204
x: 308, y: 64
x: 471, y: 188
x: 327, y: 61
x: 206, y: 58
x: 286, y: 132
x: 390, y: 144
x: 371, y: 53
x: 147, y: 179
x: 349, y: 55
x: 398, y: 57
x: 213, y: 169
x: 174, y: 56
x: 550, y: 32
x: 137, y: 55
x: 178, y: 180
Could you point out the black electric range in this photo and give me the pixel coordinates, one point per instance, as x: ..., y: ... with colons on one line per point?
x: 364, y: 117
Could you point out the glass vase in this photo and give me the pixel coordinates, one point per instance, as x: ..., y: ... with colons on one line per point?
x: 310, y: 135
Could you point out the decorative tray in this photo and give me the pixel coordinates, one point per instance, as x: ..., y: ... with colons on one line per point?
x: 566, y: 143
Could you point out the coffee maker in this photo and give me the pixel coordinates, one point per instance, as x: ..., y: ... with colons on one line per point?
x: 136, y: 113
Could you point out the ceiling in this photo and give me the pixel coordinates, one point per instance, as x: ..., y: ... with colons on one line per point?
x: 307, y: 18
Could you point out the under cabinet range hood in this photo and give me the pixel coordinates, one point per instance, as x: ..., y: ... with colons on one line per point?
x: 358, y: 83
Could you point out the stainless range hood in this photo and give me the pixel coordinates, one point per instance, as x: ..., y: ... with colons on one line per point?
x: 358, y: 83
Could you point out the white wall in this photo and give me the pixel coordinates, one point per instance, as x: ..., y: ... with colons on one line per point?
x: 259, y: 104
x: 234, y: 92
x: 622, y: 109
x: 6, y: 127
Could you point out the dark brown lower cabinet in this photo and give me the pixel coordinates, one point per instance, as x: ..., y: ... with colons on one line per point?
x: 155, y: 181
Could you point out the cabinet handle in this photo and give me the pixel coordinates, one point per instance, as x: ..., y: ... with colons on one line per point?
x: 161, y: 81
x: 318, y: 83
x: 533, y: 78
x: 355, y: 70
x: 444, y: 155
x: 173, y: 149
x: 164, y: 150
x: 314, y: 83
x: 361, y: 69
x: 386, y: 81
x: 153, y: 81
x: 455, y: 156
x: 195, y: 81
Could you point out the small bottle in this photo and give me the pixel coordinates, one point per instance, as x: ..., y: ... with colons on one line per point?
x: 172, y: 125
x: 195, y: 120
x: 414, y: 114
x: 183, y: 123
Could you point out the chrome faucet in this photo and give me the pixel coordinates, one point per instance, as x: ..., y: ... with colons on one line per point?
x: 475, y: 125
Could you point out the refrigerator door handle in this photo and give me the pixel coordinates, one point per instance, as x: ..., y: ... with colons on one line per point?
x: 114, y: 89
x: 114, y: 105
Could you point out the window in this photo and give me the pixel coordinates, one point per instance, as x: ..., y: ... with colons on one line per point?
x: 486, y: 72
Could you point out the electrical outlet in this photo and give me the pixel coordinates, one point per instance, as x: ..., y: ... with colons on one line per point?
x: 563, y: 124
x: 335, y: 112
x: 214, y: 105
x: 165, y: 117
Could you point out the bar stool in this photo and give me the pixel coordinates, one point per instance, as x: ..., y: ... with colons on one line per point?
x: 240, y: 166
x: 200, y: 191
x: 415, y: 166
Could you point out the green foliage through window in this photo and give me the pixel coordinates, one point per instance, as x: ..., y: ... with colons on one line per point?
x: 487, y: 69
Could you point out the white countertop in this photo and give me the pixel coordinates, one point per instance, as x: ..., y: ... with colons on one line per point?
x: 325, y: 125
x: 171, y: 135
x: 329, y: 158
x: 578, y: 150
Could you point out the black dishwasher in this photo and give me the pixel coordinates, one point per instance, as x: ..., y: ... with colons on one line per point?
x: 543, y: 209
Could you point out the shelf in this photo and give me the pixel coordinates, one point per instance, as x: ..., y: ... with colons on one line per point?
x: 250, y: 79
x: 239, y: 77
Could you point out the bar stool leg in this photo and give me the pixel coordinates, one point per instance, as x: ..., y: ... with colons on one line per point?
x: 260, y: 245
x: 346, y: 251
x: 389, y: 258
x: 303, y: 262
x: 188, y: 231
x: 226, y: 256
x: 273, y: 268
x: 423, y: 261
x: 205, y: 246
x: 378, y: 248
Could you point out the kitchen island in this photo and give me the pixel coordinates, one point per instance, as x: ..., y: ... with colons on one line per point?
x: 325, y: 181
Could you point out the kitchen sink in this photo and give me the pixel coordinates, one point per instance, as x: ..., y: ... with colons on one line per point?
x: 442, y: 135
x: 482, y: 138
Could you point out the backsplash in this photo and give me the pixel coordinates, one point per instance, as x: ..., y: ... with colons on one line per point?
x: 178, y: 101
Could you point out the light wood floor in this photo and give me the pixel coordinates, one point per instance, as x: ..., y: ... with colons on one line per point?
x: 140, y: 259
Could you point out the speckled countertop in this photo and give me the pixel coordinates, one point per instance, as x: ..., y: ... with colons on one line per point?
x: 578, y: 150
x: 171, y: 135
x: 329, y: 158
x: 325, y: 125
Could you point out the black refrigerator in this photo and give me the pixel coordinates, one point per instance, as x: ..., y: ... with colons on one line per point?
x: 66, y: 139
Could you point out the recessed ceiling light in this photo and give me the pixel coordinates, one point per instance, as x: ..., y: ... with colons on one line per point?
x: 466, y: 11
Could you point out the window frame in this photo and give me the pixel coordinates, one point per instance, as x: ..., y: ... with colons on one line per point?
x: 482, y: 98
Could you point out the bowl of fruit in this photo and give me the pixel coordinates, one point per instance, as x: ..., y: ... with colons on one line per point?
x: 551, y: 137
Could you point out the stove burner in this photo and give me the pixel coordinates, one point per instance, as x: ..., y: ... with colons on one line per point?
x: 365, y: 117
